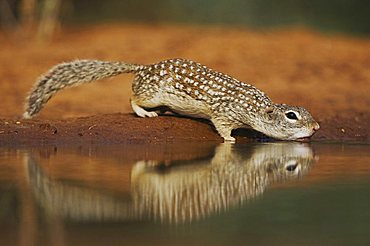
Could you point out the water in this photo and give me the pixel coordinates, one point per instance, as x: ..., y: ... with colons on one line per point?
x: 186, y: 194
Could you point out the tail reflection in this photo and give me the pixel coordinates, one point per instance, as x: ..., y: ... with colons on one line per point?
x: 177, y: 191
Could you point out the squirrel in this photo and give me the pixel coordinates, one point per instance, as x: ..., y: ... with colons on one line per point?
x: 187, y: 88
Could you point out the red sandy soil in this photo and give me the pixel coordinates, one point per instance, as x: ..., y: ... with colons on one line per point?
x: 327, y: 74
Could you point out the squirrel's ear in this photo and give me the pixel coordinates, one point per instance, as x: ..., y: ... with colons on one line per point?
x: 269, y: 110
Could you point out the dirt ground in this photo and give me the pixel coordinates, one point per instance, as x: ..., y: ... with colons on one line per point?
x: 327, y: 74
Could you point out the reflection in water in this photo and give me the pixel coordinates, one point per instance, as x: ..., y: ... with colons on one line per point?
x: 176, y: 191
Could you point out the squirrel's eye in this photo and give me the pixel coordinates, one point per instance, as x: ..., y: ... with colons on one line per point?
x: 291, y: 115
x: 291, y: 168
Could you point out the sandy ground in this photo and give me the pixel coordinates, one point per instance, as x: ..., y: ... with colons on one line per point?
x: 329, y: 75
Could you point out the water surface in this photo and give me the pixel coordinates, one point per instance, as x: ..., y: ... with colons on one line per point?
x: 188, y: 193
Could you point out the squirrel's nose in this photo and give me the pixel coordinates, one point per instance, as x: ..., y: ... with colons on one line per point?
x: 316, y: 126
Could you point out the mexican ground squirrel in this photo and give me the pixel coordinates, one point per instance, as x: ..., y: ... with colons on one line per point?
x: 188, y: 88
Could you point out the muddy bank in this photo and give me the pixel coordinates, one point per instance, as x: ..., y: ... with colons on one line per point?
x: 109, y: 128
x: 127, y: 128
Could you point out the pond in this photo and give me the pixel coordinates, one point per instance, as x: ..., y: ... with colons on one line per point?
x: 185, y: 194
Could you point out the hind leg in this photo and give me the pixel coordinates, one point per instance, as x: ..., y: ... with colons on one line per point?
x: 137, y: 105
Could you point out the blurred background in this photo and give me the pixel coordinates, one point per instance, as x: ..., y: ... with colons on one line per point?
x: 349, y: 16
x: 309, y: 52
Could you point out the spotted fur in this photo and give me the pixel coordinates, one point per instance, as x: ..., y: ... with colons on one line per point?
x: 186, y: 87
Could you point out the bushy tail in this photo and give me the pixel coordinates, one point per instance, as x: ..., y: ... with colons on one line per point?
x: 71, y: 74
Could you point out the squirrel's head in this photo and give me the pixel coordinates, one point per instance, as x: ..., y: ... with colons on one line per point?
x: 287, y: 122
